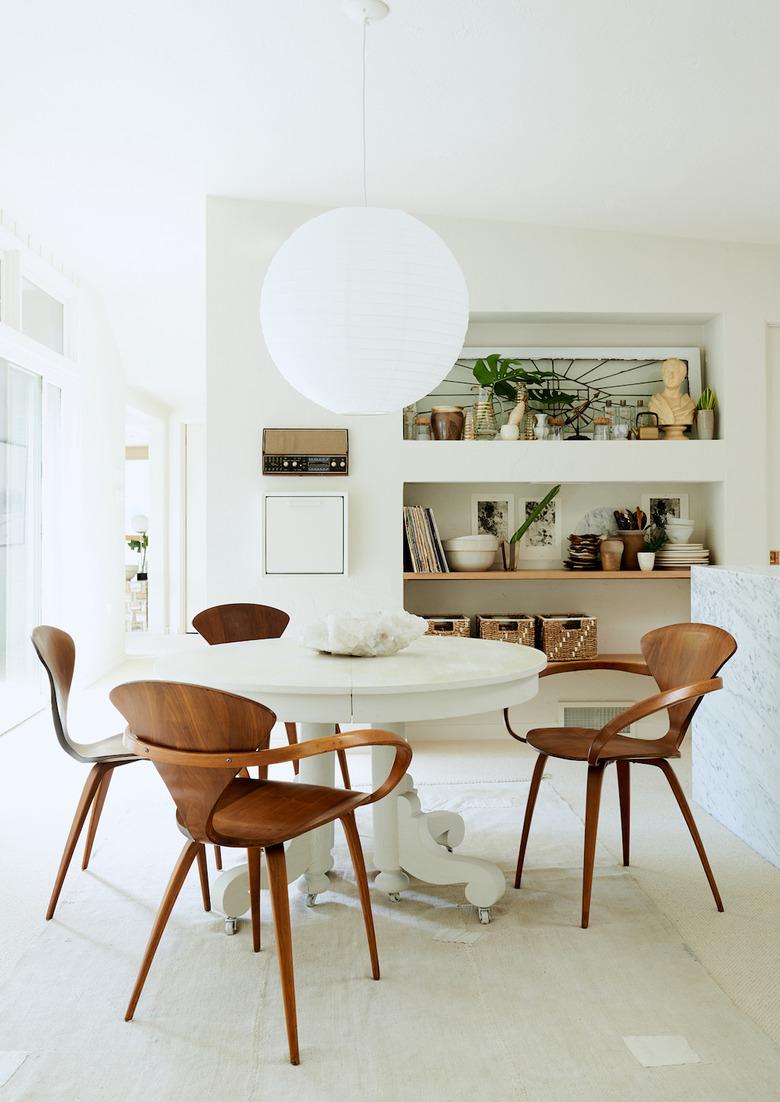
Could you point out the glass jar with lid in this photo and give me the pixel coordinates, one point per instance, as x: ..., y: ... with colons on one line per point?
x: 555, y: 428
x: 601, y: 428
x: 422, y: 428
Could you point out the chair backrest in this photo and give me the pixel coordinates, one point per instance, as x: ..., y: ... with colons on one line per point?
x: 682, y: 654
x: 193, y: 718
x: 240, y: 622
x: 57, y: 652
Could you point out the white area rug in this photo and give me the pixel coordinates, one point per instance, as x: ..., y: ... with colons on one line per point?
x: 530, y: 1007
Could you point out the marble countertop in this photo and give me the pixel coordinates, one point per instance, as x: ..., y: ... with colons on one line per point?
x: 760, y: 571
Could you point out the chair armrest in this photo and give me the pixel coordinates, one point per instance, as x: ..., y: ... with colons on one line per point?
x: 242, y: 759
x: 620, y: 663
x: 648, y: 707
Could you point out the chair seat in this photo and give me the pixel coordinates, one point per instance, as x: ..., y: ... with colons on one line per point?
x: 573, y: 743
x: 265, y: 813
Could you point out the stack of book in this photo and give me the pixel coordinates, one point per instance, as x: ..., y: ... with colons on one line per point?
x: 424, y: 552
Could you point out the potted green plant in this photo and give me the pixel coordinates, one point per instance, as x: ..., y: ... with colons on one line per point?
x: 705, y: 414
x: 139, y: 543
x: 655, y: 538
x: 501, y: 377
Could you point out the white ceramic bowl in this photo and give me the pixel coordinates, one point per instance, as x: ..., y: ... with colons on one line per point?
x: 678, y: 530
x: 472, y: 543
x: 471, y: 560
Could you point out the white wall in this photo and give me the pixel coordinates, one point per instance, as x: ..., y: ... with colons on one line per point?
x: 91, y: 597
x: 531, y: 280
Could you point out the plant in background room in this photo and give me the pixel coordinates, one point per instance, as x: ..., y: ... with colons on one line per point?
x: 705, y: 414
x: 139, y: 543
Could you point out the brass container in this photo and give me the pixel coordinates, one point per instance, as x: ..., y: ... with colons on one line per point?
x: 447, y: 422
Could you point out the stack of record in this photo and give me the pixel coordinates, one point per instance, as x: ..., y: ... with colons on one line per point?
x: 584, y: 553
x: 675, y: 556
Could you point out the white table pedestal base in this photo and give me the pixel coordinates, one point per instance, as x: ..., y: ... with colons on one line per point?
x: 408, y: 840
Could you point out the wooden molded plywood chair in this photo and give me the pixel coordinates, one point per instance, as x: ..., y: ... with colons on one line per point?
x: 684, y: 659
x: 199, y: 739
x: 57, y: 653
x: 241, y: 622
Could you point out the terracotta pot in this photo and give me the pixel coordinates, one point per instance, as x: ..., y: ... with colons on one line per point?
x: 633, y: 542
x: 611, y: 552
x: 447, y: 422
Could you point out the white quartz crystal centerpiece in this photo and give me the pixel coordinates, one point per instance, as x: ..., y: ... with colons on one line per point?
x: 366, y: 635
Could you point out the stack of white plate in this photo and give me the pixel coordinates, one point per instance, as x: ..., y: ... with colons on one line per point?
x: 674, y: 556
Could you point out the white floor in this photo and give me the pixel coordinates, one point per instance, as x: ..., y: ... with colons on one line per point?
x: 662, y: 998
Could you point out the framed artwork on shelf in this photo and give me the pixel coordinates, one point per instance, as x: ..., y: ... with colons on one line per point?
x: 543, y: 539
x: 659, y: 507
x: 493, y: 517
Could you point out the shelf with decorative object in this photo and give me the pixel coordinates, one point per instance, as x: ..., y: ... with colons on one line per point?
x: 550, y: 575
x: 571, y: 461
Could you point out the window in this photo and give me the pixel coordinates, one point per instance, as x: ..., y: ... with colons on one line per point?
x: 43, y: 316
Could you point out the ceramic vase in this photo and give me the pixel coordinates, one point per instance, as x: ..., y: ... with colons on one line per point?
x: 611, y: 553
x: 646, y: 560
x: 447, y: 422
x: 705, y: 424
x: 540, y: 426
x: 633, y: 542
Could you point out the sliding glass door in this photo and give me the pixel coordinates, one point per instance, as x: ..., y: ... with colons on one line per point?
x: 29, y: 439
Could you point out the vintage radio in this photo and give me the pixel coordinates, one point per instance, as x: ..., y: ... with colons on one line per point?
x: 305, y: 451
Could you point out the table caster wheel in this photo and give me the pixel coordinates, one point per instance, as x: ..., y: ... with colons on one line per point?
x: 394, y: 897
x: 231, y: 926
x: 311, y: 899
x: 484, y: 915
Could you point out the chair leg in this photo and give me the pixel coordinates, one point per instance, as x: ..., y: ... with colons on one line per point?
x: 88, y: 793
x: 342, y: 756
x: 624, y: 794
x: 178, y: 876
x: 679, y: 795
x: 533, y: 792
x: 592, y: 801
x: 253, y: 860
x: 343, y: 766
x: 203, y: 872
x: 218, y: 858
x: 94, y: 819
x: 359, y: 865
x: 277, y: 879
x: 292, y: 738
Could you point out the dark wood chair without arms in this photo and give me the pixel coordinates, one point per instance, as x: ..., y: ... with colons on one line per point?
x: 685, y: 660
x: 199, y: 739
x: 57, y: 653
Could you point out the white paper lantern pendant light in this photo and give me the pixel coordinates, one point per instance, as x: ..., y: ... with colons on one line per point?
x: 364, y: 309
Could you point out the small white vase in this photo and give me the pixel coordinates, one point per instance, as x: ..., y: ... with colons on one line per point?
x: 646, y: 560
x: 509, y: 432
x: 540, y: 428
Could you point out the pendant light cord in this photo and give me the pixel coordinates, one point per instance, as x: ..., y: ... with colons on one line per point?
x: 365, y: 187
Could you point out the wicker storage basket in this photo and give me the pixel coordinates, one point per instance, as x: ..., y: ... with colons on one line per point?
x: 565, y: 637
x: 449, y: 625
x: 518, y: 627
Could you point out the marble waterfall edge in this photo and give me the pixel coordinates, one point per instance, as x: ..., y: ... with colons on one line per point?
x: 736, y: 747
x: 365, y: 635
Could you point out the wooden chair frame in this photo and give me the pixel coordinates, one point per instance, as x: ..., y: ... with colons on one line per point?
x: 203, y: 830
x: 605, y: 746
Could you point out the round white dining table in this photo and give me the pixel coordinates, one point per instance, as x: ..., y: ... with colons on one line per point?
x: 434, y: 678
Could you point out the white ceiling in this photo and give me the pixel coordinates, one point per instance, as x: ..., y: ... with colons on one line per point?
x: 643, y: 115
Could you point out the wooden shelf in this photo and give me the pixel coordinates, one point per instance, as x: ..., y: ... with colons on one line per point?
x: 551, y: 575
x: 627, y: 663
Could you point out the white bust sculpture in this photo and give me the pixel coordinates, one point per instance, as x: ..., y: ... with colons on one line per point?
x: 672, y: 406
